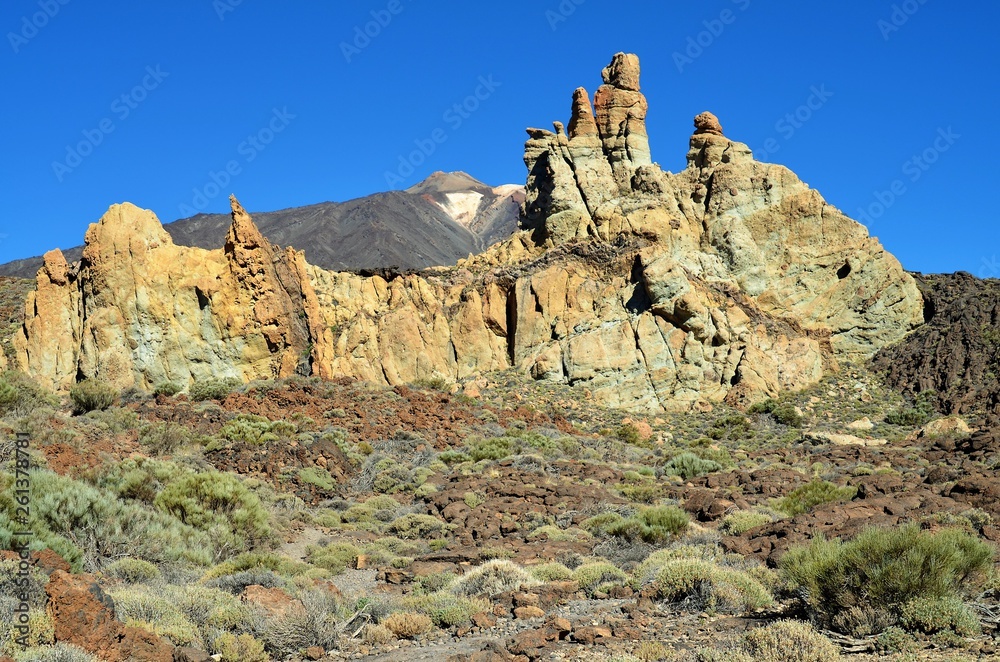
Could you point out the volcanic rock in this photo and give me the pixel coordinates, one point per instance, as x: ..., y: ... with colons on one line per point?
x: 84, y: 616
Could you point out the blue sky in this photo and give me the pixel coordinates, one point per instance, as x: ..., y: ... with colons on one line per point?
x: 887, y: 108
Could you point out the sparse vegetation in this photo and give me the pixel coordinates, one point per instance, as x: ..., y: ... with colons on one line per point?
x: 598, y: 498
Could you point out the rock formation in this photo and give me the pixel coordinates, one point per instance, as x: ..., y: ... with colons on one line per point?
x: 138, y: 310
x: 729, y: 280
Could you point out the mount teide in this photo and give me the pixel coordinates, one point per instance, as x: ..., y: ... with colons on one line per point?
x: 436, y: 222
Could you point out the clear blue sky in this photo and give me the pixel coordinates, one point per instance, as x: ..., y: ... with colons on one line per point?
x: 200, y: 78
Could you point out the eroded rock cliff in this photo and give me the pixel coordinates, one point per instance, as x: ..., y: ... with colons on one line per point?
x: 729, y: 280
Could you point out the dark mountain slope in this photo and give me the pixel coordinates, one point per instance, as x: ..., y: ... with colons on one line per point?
x: 436, y: 222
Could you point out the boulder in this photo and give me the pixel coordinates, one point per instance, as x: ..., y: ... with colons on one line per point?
x: 84, y: 616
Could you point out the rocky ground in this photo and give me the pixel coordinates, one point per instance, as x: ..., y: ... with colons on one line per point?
x: 388, y: 499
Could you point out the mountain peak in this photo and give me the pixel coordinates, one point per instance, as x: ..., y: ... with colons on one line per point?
x: 448, y: 182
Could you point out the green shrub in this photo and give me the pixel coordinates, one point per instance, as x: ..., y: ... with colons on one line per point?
x: 473, y: 499
x: 445, y: 608
x: 168, y: 389
x: 248, y: 428
x: 393, y: 478
x: 496, y: 448
x: 335, y: 557
x: 922, y: 411
x: 92, y: 395
x: 907, y: 416
x: 710, y: 585
x: 379, y: 508
x: 493, y: 578
x: 41, y: 629
x: 490, y: 552
x: 786, y: 414
x: 140, y: 478
x: 20, y: 395
x: 212, y: 608
x: 884, y: 570
x: 237, y: 582
x: 434, y: 582
x: 239, y: 648
x: 30, y: 587
x: 629, y: 434
x: 805, y: 498
x: 647, y: 491
x: 417, y: 527
x: 164, y: 438
x: 133, y: 571
x: 934, y: 615
x: 407, y: 624
x: 653, y: 525
x: 600, y: 525
x: 317, y: 476
x: 257, y: 561
x: 454, y: 457
x: 783, y: 641
x: 61, y: 652
x: 734, y: 427
x: 213, y: 389
x: 432, y: 383
x: 593, y: 576
x: 550, y: 572
x: 141, y: 607
x: 219, y: 504
x: 741, y: 521
x: 115, y: 420
x: 87, y: 525
x: 688, y: 465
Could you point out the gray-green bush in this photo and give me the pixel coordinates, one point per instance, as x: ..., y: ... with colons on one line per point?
x: 884, y: 570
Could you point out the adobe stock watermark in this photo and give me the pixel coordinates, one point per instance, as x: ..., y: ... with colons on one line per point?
x: 913, y: 169
x: 791, y: 122
x: 31, y: 25
x: 363, y: 35
x: 122, y: 108
x: 248, y: 151
x: 901, y: 13
x: 20, y: 541
x: 562, y: 12
x: 990, y: 268
x: 454, y: 117
x: 223, y: 7
x: 699, y: 43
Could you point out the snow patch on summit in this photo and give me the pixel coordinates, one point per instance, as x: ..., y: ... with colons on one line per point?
x: 462, y: 207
